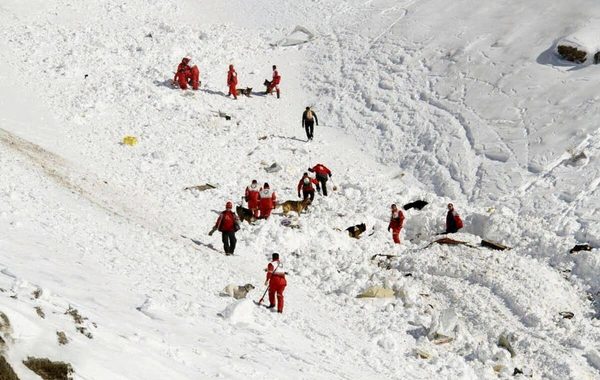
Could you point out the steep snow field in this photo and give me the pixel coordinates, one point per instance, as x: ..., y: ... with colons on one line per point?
x: 457, y: 102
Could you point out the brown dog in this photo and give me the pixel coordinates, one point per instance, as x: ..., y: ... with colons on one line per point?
x: 244, y: 91
x: 355, y: 231
x: 297, y: 206
x: 245, y: 214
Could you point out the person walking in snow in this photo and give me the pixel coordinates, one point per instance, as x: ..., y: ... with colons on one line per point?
x: 276, y: 282
x: 186, y: 74
x: 396, y: 223
x: 232, y: 82
x: 453, y: 220
x: 227, y: 223
x: 274, y: 82
x: 267, y: 202
x: 252, y: 196
x: 322, y: 174
x: 306, y: 185
x: 309, y: 118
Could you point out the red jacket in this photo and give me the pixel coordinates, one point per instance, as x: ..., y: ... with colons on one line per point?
x: 320, y: 169
x: 267, y: 199
x: 275, y: 271
x: 227, y: 222
x: 231, y: 77
x: 396, y: 220
x: 276, y: 78
x: 252, y: 194
x: 307, y: 187
x: 183, y: 69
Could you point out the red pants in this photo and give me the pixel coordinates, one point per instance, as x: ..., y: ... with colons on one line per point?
x: 189, y: 76
x: 396, y: 235
x: 233, y: 90
x: 253, y: 206
x: 265, y: 212
x: 276, y: 287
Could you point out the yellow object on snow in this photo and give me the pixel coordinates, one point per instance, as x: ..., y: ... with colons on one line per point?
x: 129, y: 140
x: 377, y: 292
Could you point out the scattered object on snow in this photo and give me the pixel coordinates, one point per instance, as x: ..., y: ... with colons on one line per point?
x: 437, y: 342
x: 579, y: 47
x: 398, y: 176
x: 493, y: 245
x: 290, y: 223
x: 504, y: 342
x: 273, y: 168
x: 222, y: 114
x: 263, y: 138
x: 442, y: 327
x: 423, y: 354
x: 129, y: 140
x: 382, y: 254
x: 527, y: 372
x: 201, y: 187
x: 450, y: 242
x: 580, y: 247
x: 377, y: 292
x: 300, y: 35
x: 566, y: 314
x: 416, y: 204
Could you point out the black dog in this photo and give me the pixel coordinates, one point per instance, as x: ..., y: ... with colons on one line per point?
x: 355, y: 231
x: 267, y: 84
x: 245, y: 214
x: 416, y: 204
x: 580, y: 247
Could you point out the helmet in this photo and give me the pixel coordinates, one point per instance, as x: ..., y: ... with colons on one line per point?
x: 254, y: 181
x: 275, y: 256
x: 230, y: 67
x: 266, y: 185
x: 228, y: 205
x: 274, y: 67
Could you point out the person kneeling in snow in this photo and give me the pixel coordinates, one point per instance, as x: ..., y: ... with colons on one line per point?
x: 187, y: 74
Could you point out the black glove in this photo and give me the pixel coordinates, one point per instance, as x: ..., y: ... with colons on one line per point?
x: 329, y: 175
x: 246, y: 199
x: 299, y: 196
x: 319, y: 190
x: 310, y: 170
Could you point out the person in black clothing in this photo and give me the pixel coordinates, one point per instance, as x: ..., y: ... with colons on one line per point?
x: 309, y: 119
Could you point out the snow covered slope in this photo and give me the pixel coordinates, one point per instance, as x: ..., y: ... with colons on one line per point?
x: 463, y: 102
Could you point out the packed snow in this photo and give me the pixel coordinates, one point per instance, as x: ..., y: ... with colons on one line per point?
x: 462, y: 102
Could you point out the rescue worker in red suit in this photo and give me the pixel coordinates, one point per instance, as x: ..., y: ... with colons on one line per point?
x: 322, y: 174
x: 228, y: 223
x: 232, y: 82
x: 267, y: 202
x: 252, y: 196
x: 396, y: 223
x: 453, y: 220
x: 306, y: 185
x: 276, y: 282
x: 186, y: 74
x: 274, y: 82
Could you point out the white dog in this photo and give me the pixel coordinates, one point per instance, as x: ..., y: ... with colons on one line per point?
x: 236, y: 291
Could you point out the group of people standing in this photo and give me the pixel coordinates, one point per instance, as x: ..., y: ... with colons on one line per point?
x: 188, y: 74
x: 261, y: 201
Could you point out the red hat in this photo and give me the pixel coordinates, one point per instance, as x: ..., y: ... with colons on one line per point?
x: 230, y: 67
x: 229, y: 205
x: 186, y: 60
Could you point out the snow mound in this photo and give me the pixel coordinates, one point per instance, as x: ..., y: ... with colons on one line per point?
x: 580, y: 46
x: 239, y: 312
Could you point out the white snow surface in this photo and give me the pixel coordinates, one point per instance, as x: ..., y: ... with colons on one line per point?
x: 461, y: 101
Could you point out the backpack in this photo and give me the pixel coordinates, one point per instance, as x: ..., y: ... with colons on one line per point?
x: 459, y: 222
x: 309, y: 115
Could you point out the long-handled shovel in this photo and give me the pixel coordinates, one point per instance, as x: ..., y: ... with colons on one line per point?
x: 263, y: 296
